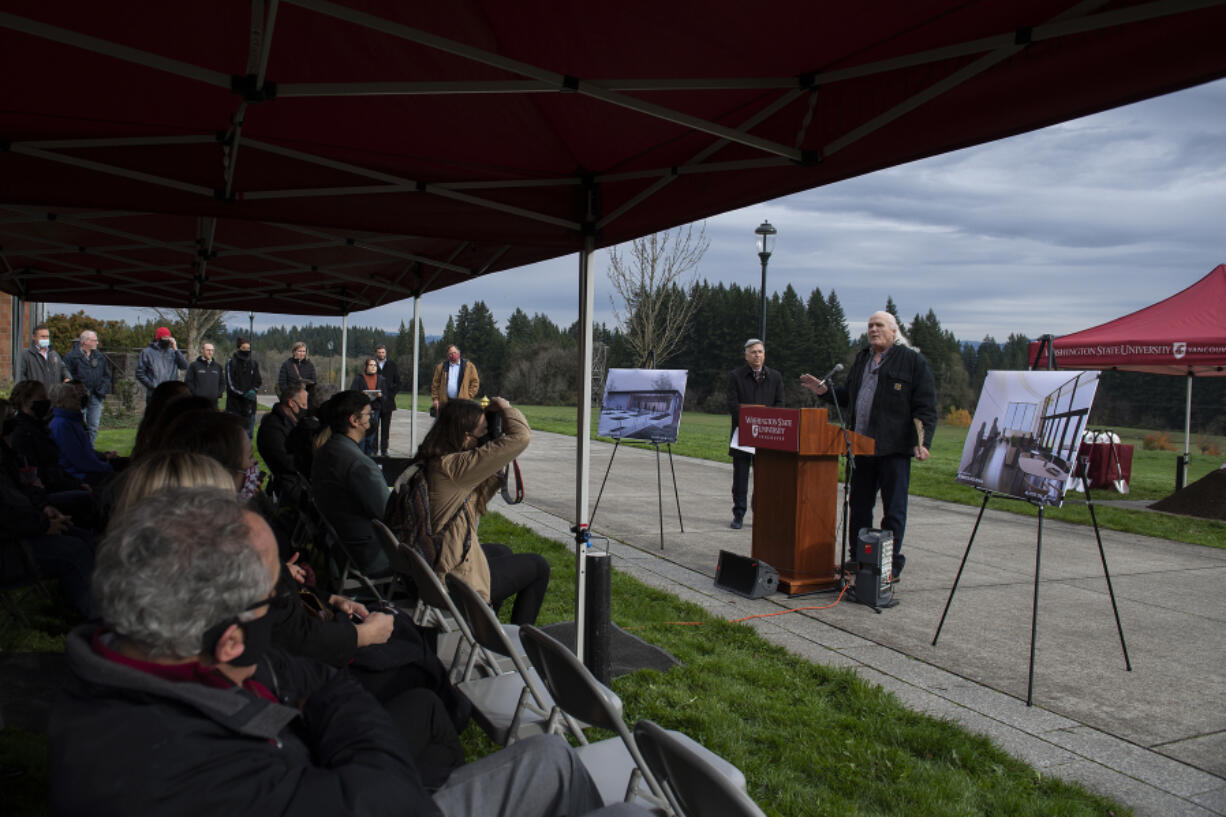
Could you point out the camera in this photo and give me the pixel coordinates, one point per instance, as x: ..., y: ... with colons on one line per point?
x: 493, y: 426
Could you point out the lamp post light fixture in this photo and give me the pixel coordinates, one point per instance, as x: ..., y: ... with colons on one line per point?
x: 766, y: 245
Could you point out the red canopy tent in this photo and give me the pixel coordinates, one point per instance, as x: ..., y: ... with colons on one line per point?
x: 1184, y: 334
x: 316, y: 157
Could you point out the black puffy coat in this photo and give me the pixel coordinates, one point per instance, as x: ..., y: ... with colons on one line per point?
x: 122, y: 741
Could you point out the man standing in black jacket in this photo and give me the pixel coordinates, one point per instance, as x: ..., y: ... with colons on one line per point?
x: 243, y: 382
x: 751, y: 384
x: 205, y: 377
x: 890, y: 396
x: 391, y: 382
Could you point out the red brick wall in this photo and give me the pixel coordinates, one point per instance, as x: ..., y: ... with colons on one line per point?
x: 10, y: 346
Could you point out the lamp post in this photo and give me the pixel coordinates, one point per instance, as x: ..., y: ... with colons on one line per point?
x: 766, y: 245
x: 250, y: 325
x: 331, y: 361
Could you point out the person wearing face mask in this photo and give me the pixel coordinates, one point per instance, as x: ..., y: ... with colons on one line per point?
x: 32, y: 440
x: 370, y: 382
x: 40, y: 362
x: 253, y: 730
x: 454, y: 378
x: 272, y: 442
x: 205, y: 377
x: 347, y: 485
x: 160, y: 361
x: 243, y: 381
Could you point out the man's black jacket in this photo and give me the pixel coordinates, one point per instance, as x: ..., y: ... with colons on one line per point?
x: 744, y: 390
x: 122, y: 741
x: 905, y: 391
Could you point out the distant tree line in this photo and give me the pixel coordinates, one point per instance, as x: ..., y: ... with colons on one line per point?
x: 535, y: 361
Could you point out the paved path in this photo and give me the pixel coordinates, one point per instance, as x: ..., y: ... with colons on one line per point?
x: 1153, y: 738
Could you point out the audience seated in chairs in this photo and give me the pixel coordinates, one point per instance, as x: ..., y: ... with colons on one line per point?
x: 463, y: 473
x: 67, y: 427
x: 35, y: 448
x: 58, y: 548
x: 387, y: 654
x: 200, y: 678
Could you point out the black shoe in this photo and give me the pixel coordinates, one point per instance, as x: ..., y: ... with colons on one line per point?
x: 900, y: 562
x: 736, y: 523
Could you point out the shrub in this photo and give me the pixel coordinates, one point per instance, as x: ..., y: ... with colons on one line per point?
x: 1157, y: 441
x: 958, y: 418
x: 1208, y: 446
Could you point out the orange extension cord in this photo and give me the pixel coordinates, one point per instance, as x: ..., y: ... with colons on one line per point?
x: 759, y: 615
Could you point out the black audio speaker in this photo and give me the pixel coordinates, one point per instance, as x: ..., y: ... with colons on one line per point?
x: 875, y: 560
x: 745, y: 575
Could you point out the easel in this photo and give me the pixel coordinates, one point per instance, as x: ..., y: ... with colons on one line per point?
x: 1084, y: 463
x: 659, y: 485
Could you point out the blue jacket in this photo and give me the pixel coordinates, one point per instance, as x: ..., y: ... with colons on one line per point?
x: 94, y: 371
x: 77, y: 455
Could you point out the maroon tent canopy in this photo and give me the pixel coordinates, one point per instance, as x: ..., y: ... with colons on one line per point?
x: 318, y: 157
x: 1184, y: 334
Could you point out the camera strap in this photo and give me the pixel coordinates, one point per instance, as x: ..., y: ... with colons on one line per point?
x: 505, y: 477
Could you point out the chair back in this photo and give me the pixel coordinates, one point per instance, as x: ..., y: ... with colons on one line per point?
x: 573, y: 687
x: 692, y: 784
x: 485, y: 626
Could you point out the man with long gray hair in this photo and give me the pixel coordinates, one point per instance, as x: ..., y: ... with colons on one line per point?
x: 175, y: 705
x: 890, y: 396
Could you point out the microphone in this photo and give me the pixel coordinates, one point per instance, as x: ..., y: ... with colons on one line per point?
x: 838, y: 367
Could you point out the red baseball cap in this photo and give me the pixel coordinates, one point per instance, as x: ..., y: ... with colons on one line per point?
x: 162, y: 332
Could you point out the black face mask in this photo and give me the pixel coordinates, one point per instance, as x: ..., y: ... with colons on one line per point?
x: 257, y: 638
x: 41, y: 409
x: 243, y: 355
x: 164, y: 343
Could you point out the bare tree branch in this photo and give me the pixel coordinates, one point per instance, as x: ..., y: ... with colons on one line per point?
x: 196, y: 323
x: 655, y: 285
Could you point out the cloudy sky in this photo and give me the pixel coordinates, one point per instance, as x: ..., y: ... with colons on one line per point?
x: 1051, y: 231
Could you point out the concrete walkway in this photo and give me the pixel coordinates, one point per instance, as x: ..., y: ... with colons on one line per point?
x: 1153, y: 738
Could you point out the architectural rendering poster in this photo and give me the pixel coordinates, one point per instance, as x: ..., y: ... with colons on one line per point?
x: 642, y: 404
x: 1027, y: 428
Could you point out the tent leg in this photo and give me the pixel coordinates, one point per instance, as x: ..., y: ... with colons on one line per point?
x: 416, y: 368
x: 1187, y: 430
x: 344, y: 347
x: 583, y: 449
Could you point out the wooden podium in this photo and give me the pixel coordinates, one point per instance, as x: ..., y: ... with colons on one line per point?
x: 795, y: 492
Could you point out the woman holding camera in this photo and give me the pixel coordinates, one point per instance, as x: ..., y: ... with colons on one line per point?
x: 462, y: 469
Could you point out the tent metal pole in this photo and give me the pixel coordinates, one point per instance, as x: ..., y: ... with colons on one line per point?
x: 583, y: 453
x: 344, y: 347
x: 416, y: 365
x: 1187, y: 429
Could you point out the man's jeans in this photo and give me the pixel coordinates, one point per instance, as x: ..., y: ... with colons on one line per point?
x: 93, y: 416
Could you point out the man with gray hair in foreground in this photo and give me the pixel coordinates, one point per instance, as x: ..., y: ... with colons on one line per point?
x: 176, y: 705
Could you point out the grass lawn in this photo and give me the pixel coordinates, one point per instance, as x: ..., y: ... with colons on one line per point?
x: 1153, y: 475
x: 811, y: 740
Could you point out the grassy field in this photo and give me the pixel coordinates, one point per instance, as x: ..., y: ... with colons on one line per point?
x: 812, y: 740
x: 1153, y: 475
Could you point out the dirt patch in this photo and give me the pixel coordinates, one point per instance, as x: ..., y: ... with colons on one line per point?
x: 1205, y: 498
